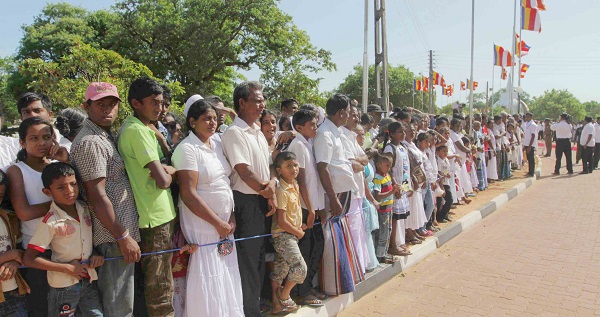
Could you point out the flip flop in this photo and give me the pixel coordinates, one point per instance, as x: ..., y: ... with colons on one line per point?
x: 311, y: 300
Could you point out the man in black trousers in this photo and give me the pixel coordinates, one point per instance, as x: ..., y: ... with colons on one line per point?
x: 563, y: 143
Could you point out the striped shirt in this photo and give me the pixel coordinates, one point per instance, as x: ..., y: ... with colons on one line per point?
x: 383, y: 184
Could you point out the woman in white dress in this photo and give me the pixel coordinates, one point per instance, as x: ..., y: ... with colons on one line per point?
x: 206, y: 215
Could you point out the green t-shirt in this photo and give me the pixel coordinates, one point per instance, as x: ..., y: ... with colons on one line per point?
x: 138, y: 147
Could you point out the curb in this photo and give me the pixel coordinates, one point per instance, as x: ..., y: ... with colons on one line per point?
x: 385, y: 273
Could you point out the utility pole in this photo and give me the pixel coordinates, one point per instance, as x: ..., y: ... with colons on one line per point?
x: 487, y: 90
x: 431, y: 105
x: 381, y: 56
x: 365, y: 88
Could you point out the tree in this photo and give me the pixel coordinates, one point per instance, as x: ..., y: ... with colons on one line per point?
x: 65, y: 81
x: 195, y: 42
x: 8, y: 106
x: 554, y: 102
x: 592, y: 108
x: 400, y: 82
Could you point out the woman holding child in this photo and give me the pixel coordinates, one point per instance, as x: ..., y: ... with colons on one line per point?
x: 206, y: 211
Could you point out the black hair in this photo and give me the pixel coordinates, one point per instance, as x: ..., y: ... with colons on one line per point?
x: 265, y: 113
x: 497, y: 117
x: 282, y: 121
x: 285, y: 103
x: 23, y: 127
x: 402, y: 115
x: 4, y: 181
x: 379, y: 157
x: 455, y: 121
x: 302, y: 116
x: 336, y: 103
x: 55, y: 170
x: 391, y: 128
x: 366, y: 118
x: 308, y: 106
x: 588, y: 119
x: 564, y: 115
x: 242, y: 91
x: 466, y: 140
x: 29, y: 97
x: 527, y: 114
x: 282, y: 157
x: 214, y: 99
x: 441, y: 120
x: 441, y: 147
x: 421, y: 136
x: 197, y: 109
x: 70, y: 121
x: 167, y: 94
x: 142, y: 88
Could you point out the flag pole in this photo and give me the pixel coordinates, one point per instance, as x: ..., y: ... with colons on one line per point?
x: 472, y: 54
x: 492, y: 99
x: 365, y: 88
x: 519, y: 70
x: 512, y: 66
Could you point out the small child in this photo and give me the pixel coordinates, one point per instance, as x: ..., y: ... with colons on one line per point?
x: 287, y: 229
x: 66, y: 230
x: 444, y: 203
x: 383, y: 191
x: 13, y: 286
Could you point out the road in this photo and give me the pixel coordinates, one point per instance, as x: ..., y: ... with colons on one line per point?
x: 539, y: 254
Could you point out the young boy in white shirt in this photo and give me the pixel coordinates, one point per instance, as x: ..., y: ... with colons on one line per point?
x: 66, y: 230
x: 312, y: 193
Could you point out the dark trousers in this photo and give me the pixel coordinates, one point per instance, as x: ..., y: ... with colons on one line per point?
x: 530, y: 159
x: 250, y: 217
x: 444, y: 204
x: 596, y: 154
x: 563, y: 146
x: 36, y: 301
x: 587, y: 158
x: 311, y: 246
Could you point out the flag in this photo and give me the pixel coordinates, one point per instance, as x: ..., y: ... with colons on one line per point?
x: 463, y: 86
x: 437, y: 79
x: 443, y: 83
x: 504, y: 74
x: 524, y: 69
x: 521, y: 47
x: 425, y: 84
x: 534, y: 4
x: 530, y: 19
x: 502, y: 57
x: 475, y: 84
x: 417, y: 85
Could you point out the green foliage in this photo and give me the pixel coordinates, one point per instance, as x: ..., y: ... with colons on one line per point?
x: 592, y: 108
x: 8, y: 105
x: 400, y: 82
x: 200, y: 42
x: 65, y: 81
x: 554, y: 102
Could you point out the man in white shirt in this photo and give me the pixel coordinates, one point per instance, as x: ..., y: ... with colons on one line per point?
x: 530, y: 142
x: 597, y: 145
x: 563, y: 143
x: 376, y: 113
x: 253, y: 187
x: 587, y: 144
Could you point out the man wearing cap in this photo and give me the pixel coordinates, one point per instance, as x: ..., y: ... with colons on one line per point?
x: 108, y: 191
x: 376, y: 112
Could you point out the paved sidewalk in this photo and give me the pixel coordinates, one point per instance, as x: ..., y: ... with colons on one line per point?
x: 538, y: 255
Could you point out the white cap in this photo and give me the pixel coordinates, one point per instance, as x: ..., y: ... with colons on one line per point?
x: 189, y: 103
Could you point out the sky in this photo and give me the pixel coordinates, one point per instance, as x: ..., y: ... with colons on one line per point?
x: 563, y: 56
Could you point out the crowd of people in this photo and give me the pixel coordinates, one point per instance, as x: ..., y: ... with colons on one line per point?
x: 313, y: 197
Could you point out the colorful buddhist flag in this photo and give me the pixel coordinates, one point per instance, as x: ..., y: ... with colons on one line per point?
x: 530, y: 19
x: 475, y: 84
x: 502, y: 57
x: 521, y: 47
x: 504, y: 74
x: 463, y: 86
x: 425, y: 84
x: 524, y: 69
x: 443, y: 83
x: 417, y: 85
x: 534, y: 4
x: 437, y: 79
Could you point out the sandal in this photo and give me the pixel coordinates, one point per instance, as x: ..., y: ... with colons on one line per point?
x: 288, y: 304
x: 311, y: 300
x: 387, y: 259
x: 400, y: 252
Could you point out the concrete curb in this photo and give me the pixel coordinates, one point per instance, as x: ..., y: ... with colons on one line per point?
x: 385, y: 273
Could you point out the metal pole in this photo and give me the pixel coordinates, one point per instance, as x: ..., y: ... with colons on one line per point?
x: 487, y: 90
x: 431, y: 105
x: 492, y: 101
x: 365, y: 88
x: 376, y: 11
x: 413, y: 95
x: 472, y: 54
x: 519, y: 70
x: 512, y: 67
x: 386, y: 84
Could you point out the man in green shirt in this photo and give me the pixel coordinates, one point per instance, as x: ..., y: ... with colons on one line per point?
x: 150, y: 181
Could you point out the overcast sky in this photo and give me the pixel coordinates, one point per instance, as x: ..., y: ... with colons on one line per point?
x: 563, y: 56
